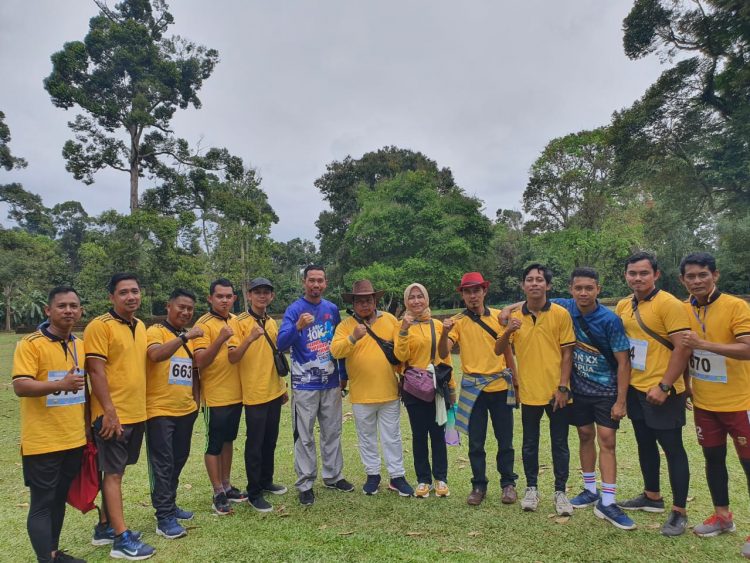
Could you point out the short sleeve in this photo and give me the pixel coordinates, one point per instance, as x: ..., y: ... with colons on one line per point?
x: 96, y: 336
x: 154, y: 336
x: 455, y: 332
x: 741, y: 319
x: 25, y: 360
x: 675, y: 317
x: 202, y: 342
x: 567, y: 334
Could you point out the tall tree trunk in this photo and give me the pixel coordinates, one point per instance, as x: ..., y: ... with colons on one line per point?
x: 135, y: 138
x: 8, y: 309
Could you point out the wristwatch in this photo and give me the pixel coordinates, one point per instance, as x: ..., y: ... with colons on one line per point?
x: 184, y: 338
x: 563, y: 389
x: 664, y: 387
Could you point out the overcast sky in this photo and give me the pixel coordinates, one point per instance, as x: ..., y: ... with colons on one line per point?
x: 478, y: 86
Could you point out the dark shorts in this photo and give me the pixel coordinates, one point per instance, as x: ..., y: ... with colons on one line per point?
x: 222, y: 424
x: 668, y: 416
x: 587, y: 410
x: 712, y: 428
x: 44, y: 471
x: 115, y: 454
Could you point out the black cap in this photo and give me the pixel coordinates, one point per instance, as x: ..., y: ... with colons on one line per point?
x: 260, y: 282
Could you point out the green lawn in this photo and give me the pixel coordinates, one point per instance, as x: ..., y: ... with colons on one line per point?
x: 355, y: 527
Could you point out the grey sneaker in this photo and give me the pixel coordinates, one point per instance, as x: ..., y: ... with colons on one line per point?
x: 746, y: 549
x: 530, y: 499
x: 714, y: 525
x: 562, y: 504
x: 642, y: 502
x: 675, y: 525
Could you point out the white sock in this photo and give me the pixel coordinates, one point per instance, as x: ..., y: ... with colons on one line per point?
x: 589, y: 482
x: 608, y: 493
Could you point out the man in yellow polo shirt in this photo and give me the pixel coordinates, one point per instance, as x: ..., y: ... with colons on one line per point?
x: 543, y: 338
x: 719, y: 337
x: 484, y: 387
x: 49, y: 379
x: 653, y: 321
x: 221, y: 393
x: 263, y: 391
x: 374, y: 387
x: 171, y: 408
x: 116, y: 364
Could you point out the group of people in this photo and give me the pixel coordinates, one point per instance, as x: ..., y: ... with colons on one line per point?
x: 571, y: 359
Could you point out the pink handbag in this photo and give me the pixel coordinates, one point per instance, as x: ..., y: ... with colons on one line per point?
x: 420, y: 384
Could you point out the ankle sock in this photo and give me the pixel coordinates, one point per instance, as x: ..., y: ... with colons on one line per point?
x: 608, y: 493
x: 589, y: 482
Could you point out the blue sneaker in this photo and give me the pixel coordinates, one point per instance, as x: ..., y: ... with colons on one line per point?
x: 181, y: 514
x: 105, y: 535
x: 614, y: 515
x: 127, y: 547
x: 585, y: 498
x: 400, y: 485
x: 371, y: 485
x: 170, y: 529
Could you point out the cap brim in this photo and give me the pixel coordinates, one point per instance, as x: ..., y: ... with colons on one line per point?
x: 349, y: 297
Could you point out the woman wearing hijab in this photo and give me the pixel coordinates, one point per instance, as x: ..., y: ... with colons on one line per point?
x: 414, y: 346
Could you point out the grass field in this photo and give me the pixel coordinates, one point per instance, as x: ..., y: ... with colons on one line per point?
x: 354, y: 527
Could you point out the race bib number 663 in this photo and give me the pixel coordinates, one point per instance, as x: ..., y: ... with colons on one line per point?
x: 180, y: 371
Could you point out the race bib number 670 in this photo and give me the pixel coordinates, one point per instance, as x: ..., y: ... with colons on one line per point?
x: 180, y: 371
x: 64, y: 398
x: 708, y: 366
x: 638, y: 351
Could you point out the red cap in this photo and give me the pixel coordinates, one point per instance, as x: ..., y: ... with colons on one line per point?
x: 472, y: 278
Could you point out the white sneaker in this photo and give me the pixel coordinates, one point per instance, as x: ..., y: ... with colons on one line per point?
x: 563, y: 507
x: 530, y: 499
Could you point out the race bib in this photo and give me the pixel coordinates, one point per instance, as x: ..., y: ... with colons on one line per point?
x: 638, y: 351
x: 708, y: 366
x: 180, y: 371
x: 64, y: 398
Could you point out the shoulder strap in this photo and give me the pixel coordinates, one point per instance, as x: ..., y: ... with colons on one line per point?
x: 380, y: 342
x: 477, y: 319
x: 262, y: 323
x: 659, y: 338
x: 433, y: 345
x: 605, y: 351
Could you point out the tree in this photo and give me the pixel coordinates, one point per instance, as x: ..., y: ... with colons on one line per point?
x: 341, y: 183
x: 412, y: 228
x: 7, y: 160
x: 27, y: 210
x: 130, y: 79
x: 27, y: 262
x: 570, y: 182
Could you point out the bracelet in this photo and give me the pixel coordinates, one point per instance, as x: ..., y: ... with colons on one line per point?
x: 352, y: 340
x: 403, y: 333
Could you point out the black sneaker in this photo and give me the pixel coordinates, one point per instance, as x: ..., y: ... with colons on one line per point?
x: 306, y: 498
x: 372, y: 485
x: 62, y: 556
x: 260, y: 504
x: 675, y: 525
x: 221, y: 505
x: 341, y: 485
x: 235, y: 495
x: 275, y: 489
x: 642, y: 502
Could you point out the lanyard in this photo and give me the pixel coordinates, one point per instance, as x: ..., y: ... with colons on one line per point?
x: 696, y: 313
x: 73, y: 352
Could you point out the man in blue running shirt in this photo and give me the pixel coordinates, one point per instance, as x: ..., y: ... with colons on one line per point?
x: 307, y: 328
x: 599, y: 383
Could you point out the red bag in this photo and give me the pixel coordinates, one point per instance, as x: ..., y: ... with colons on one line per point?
x: 85, y: 486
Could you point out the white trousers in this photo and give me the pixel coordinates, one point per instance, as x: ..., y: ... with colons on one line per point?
x: 384, y: 418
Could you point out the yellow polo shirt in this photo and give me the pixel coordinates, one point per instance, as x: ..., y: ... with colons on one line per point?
x: 53, y: 422
x: 122, y: 346
x: 220, y: 380
x: 664, y: 314
x: 477, y: 347
x: 719, y: 383
x: 169, y: 383
x: 415, y: 348
x: 260, y: 381
x: 372, y: 378
x: 538, y: 350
